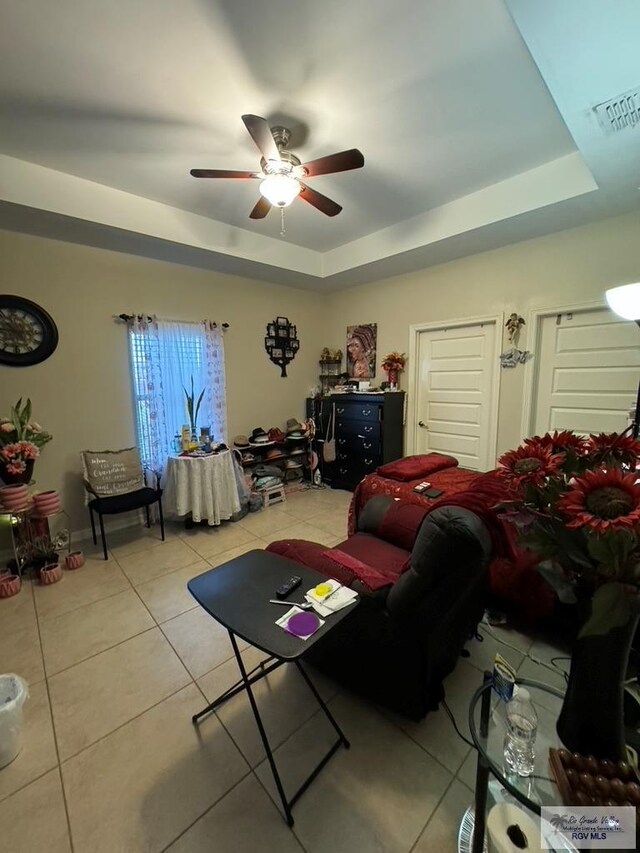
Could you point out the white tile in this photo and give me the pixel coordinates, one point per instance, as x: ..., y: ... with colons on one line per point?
x: 376, y: 796
x: 441, y: 833
x: 435, y: 732
x: 132, y: 540
x: 94, y: 697
x: 20, y: 652
x: 18, y: 611
x: 73, y: 637
x: 300, y: 530
x: 95, y: 580
x: 34, y: 819
x: 267, y: 521
x: 333, y: 522
x: 38, y: 752
x: 142, y: 786
x: 209, y: 541
x: 233, y: 828
x: 467, y: 771
x: 200, y: 641
x: 159, y: 560
x: 283, y: 698
x: 168, y: 596
x: 482, y: 652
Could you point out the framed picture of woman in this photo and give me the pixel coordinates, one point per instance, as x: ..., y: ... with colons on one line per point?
x: 361, y: 350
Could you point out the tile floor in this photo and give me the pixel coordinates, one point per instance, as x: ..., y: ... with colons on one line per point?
x: 118, y: 657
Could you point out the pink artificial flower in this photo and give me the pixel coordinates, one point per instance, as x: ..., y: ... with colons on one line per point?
x: 10, y: 450
x: 7, y: 427
x: 28, y: 449
x: 16, y: 467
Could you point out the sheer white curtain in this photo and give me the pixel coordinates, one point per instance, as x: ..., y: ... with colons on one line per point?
x: 165, y: 355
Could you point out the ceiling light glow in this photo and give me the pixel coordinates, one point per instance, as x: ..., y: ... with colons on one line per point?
x: 625, y: 300
x: 280, y: 190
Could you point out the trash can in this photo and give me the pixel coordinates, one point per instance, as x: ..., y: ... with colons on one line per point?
x: 13, y: 692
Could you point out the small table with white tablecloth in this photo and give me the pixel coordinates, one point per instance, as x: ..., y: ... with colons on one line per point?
x: 201, y: 487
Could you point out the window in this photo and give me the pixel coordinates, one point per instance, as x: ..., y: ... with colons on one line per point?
x: 165, y: 357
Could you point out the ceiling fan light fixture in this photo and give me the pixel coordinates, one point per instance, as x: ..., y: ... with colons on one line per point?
x: 625, y: 300
x: 280, y: 190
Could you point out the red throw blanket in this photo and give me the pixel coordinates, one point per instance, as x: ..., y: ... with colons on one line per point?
x: 410, y: 467
x: 450, y: 480
x: 513, y: 578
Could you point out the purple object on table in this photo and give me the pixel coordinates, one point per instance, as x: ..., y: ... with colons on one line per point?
x: 303, y: 624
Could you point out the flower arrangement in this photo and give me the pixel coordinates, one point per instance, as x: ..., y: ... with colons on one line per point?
x: 394, y: 361
x: 20, y: 439
x: 578, y: 510
x: 579, y: 504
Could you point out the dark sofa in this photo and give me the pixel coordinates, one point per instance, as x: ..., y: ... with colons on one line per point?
x: 422, y: 579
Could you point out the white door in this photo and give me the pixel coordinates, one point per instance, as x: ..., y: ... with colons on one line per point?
x: 455, y: 409
x: 588, y: 366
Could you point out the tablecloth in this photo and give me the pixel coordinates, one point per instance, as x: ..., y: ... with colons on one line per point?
x: 204, y: 486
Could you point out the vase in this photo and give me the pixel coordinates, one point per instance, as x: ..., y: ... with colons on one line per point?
x: 392, y: 378
x: 11, y: 479
x: 592, y: 720
x: 74, y: 560
x: 50, y: 574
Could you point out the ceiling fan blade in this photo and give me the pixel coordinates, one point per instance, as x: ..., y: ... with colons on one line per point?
x: 261, y: 134
x: 261, y: 209
x: 221, y: 173
x: 342, y: 162
x: 324, y: 204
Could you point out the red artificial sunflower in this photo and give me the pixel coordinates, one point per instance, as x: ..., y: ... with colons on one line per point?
x: 615, y: 448
x: 602, y: 500
x: 530, y: 463
x: 563, y: 441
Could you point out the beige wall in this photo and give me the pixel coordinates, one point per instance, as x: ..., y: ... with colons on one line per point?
x: 81, y: 394
x: 571, y: 267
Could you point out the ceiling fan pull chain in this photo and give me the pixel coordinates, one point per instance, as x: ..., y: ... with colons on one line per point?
x: 283, y: 230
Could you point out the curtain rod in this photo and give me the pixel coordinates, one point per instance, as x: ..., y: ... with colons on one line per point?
x: 126, y: 318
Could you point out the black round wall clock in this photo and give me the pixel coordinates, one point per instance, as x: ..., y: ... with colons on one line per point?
x: 28, y: 334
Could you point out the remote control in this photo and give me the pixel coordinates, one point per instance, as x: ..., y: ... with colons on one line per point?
x: 284, y: 590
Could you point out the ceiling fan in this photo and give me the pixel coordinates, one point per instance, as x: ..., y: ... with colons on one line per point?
x: 282, y: 172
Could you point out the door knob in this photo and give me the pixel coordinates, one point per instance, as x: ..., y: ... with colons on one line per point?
x: 421, y: 423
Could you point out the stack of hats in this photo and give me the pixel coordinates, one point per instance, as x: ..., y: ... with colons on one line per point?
x: 276, y: 434
x: 241, y: 441
x: 259, y: 436
x: 295, y: 430
x: 274, y: 453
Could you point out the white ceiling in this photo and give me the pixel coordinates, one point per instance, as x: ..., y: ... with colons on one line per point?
x: 476, y: 126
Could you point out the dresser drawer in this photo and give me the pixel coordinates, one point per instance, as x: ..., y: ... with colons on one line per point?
x: 357, y: 429
x: 358, y: 412
x: 358, y: 444
x: 348, y: 463
x: 351, y: 473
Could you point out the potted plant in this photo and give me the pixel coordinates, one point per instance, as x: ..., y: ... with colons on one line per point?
x: 579, y: 510
x: 20, y: 443
x: 44, y: 553
x: 193, y: 409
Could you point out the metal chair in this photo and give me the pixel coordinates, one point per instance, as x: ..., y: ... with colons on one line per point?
x: 104, y: 503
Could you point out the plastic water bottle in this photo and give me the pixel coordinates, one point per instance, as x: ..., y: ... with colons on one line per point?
x: 522, y: 727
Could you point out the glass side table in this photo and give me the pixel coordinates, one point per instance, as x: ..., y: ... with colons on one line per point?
x: 488, y: 728
x: 24, y: 536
